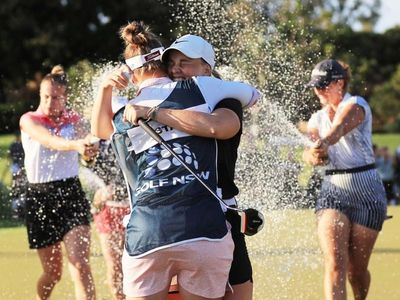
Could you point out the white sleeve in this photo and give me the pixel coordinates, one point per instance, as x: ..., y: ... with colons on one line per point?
x: 359, y: 101
x: 314, y: 122
x: 362, y: 102
x: 117, y: 102
x: 214, y: 90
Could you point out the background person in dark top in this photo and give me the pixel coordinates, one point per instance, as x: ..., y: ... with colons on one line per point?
x: 19, y: 180
x: 110, y: 205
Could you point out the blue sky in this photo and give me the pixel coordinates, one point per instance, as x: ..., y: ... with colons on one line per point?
x: 390, y: 15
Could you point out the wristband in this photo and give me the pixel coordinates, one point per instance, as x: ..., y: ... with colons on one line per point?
x: 324, y: 143
x: 152, y: 113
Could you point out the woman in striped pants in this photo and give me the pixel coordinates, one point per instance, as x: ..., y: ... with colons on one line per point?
x: 351, y: 206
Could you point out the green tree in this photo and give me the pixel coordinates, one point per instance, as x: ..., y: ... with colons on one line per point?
x: 275, y: 42
x: 385, y: 102
x: 37, y: 35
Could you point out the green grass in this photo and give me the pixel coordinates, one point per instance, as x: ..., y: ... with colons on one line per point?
x: 285, y: 255
x: 288, y: 263
x: 5, y: 142
x: 286, y: 259
x: 390, y: 140
x: 20, y: 268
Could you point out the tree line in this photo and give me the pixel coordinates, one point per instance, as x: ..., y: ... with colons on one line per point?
x: 35, y: 35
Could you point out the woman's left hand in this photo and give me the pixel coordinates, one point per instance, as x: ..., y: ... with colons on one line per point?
x: 101, y: 196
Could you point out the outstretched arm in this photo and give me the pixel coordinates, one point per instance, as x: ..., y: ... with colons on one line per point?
x: 41, y: 134
x: 215, y: 89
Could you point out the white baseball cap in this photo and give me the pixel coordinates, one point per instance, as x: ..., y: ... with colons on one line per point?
x: 193, y: 46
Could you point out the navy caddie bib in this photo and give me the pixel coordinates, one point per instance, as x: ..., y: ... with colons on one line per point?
x: 169, y: 206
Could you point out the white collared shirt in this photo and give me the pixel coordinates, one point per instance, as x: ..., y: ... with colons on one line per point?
x: 355, y: 148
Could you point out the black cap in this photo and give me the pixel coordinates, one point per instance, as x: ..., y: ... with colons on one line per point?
x: 325, y: 72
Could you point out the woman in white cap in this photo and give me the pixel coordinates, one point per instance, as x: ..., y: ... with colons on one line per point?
x: 176, y: 227
x: 351, y: 206
x: 188, y: 56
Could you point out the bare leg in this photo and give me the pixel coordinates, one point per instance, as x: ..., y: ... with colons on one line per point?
x: 362, y: 241
x: 159, y: 296
x: 175, y: 288
x: 51, y: 260
x: 112, y: 246
x: 174, y: 297
x: 77, y: 244
x: 243, y: 291
x: 185, y: 295
x: 333, y: 234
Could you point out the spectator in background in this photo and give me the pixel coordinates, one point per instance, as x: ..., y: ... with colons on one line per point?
x: 376, y: 152
x: 17, y: 155
x: 19, y: 180
x: 111, y: 204
x: 384, y: 165
x: 396, y: 176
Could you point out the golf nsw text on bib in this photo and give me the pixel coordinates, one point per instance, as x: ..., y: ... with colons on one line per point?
x: 169, y: 206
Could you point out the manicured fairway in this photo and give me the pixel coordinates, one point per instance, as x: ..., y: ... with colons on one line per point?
x: 287, y: 261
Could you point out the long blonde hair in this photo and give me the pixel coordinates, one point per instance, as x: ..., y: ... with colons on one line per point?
x: 347, y: 76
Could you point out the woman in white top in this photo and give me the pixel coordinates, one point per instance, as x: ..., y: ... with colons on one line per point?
x: 351, y: 206
x: 56, y: 207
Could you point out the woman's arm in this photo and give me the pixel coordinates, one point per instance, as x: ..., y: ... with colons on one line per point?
x: 41, y: 134
x: 351, y: 117
x: 223, y: 123
x: 215, y: 89
x: 101, y: 120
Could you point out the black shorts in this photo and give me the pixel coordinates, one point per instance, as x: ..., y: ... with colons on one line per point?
x: 53, y: 209
x: 241, y: 270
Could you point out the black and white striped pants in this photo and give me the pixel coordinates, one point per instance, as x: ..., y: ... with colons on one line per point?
x: 360, y: 196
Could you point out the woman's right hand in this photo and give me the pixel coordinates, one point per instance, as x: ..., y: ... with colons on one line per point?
x: 87, y: 150
x: 316, y: 156
x: 118, y: 78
